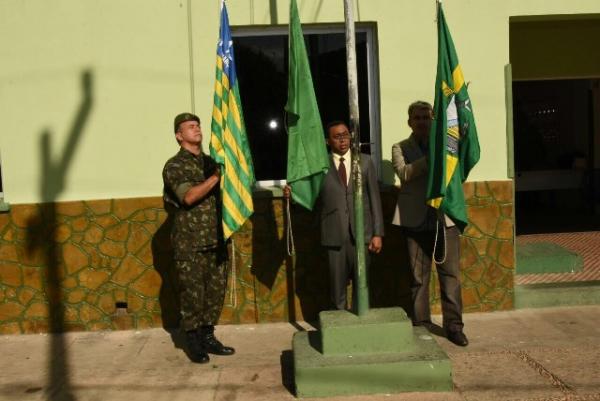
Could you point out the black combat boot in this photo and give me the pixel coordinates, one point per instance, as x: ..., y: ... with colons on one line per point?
x: 211, y: 344
x: 196, y: 351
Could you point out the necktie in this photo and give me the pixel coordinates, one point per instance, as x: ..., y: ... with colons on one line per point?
x: 342, y: 172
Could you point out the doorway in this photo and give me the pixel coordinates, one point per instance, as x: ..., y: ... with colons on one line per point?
x: 556, y: 136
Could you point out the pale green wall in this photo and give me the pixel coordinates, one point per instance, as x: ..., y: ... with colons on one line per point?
x: 137, y: 51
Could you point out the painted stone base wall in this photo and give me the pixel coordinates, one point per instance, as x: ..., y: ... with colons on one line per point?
x: 71, y: 265
x: 102, y: 265
x: 487, y: 249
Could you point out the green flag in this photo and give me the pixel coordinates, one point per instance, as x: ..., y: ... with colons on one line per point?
x: 453, y: 143
x: 228, y: 142
x: 307, y: 161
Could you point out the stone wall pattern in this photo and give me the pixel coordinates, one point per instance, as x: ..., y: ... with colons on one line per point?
x: 112, y: 266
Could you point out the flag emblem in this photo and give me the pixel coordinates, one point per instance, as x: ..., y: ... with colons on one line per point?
x: 453, y: 143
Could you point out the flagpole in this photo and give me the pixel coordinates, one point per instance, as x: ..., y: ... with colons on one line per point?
x: 191, y: 56
x: 360, y: 282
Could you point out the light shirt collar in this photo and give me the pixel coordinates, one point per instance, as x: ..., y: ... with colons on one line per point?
x: 337, y: 157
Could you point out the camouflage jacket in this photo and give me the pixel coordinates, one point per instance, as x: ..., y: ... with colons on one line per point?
x: 196, y: 227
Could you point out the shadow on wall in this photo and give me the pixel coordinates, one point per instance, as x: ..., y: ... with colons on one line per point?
x: 272, y: 286
x: 162, y: 255
x: 309, y: 267
x: 304, y: 277
x: 42, y: 239
x: 273, y: 11
x: 389, y: 274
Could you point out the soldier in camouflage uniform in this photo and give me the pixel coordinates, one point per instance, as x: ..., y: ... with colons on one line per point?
x: 191, y: 194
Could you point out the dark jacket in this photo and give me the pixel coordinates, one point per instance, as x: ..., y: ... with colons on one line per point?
x: 336, y: 205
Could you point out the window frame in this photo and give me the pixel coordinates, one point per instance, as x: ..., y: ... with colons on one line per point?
x: 370, y: 29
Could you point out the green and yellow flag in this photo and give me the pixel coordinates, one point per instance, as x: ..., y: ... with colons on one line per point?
x: 453, y: 143
x: 228, y: 142
x: 307, y: 161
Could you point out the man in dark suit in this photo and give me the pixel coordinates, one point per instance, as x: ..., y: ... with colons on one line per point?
x: 424, y: 227
x: 336, y: 212
x: 335, y: 208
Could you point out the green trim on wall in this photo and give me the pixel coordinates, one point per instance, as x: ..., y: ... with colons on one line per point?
x: 510, y: 134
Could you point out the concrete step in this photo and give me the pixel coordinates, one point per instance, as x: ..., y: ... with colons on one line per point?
x: 547, y: 257
x: 557, y: 294
x: 379, y: 330
x: 379, y: 352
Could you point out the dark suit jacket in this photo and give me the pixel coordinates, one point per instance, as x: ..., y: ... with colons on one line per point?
x: 410, y: 164
x: 336, y: 205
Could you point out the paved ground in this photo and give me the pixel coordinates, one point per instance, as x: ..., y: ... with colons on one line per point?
x: 532, y: 354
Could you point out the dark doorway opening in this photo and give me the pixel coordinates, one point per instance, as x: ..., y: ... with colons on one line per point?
x: 556, y: 121
x: 556, y: 184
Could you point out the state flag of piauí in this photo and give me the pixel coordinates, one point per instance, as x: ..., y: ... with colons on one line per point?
x: 453, y: 143
x: 228, y: 142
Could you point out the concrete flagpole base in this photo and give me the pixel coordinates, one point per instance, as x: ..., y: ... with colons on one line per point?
x: 379, y: 352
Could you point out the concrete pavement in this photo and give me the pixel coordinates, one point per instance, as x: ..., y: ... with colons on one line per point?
x: 530, y: 354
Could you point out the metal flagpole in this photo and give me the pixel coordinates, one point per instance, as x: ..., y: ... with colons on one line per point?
x: 362, y: 290
x: 191, y: 55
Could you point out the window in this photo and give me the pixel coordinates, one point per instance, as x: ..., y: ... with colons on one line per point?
x: 262, y: 68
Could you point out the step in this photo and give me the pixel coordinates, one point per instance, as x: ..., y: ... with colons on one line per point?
x: 379, y: 330
x: 557, y: 294
x: 546, y: 257
x: 423, y: 367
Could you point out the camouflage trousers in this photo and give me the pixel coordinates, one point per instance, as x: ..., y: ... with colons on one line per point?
x: 203, y: 280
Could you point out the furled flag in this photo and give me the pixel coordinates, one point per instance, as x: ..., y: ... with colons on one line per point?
x: 307, y: 161
x: 228, y: 142
x: 453, y: 143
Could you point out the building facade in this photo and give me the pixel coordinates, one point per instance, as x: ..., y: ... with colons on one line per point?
x: 88, y: 91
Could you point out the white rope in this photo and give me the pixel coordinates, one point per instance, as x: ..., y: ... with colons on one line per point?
x: 437, y: 227
x: 233, y: 290
x: 291, y: 249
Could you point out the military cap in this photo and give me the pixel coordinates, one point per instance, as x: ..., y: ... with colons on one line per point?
x: 183, y: 117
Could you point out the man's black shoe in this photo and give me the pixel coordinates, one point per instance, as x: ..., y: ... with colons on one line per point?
x: 214, y: 346
x: 210, y: 343
x: 458, y: 338
x: 196, y: 352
